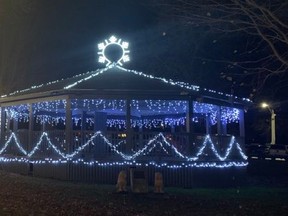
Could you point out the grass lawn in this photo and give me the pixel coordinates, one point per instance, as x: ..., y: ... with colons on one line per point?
x: 25, y: 195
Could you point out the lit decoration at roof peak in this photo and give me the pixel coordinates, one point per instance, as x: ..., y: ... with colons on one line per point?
x: 103, y: 58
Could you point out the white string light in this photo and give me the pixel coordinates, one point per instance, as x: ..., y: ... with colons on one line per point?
x: 170, y: 81
x: 112, y: 65
x: 157, y: 140
x: 44, y: 134
x: 132, y: 163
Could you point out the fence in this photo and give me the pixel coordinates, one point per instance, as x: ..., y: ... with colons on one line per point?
x: 98, y: 158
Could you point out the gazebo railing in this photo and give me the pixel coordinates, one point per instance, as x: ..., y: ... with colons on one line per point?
x: 92, y: 145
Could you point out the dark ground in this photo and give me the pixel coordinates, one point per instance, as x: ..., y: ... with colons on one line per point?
x: 26, y: 195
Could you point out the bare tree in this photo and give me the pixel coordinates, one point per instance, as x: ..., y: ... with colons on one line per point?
x: 264, y: 23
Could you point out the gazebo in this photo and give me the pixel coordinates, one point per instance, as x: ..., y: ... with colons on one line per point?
x: 91, y: 126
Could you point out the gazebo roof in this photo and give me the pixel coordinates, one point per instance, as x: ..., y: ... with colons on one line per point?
x: 115, y: 78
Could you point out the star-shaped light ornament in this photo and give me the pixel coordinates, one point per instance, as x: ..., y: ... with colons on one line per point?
x: 103, y: 58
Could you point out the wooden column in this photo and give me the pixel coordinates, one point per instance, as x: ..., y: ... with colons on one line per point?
x: 208, y: 124
x: 31, y: 127
x: 128, y: 126
x: 141, y: 142
x: 83, y: 126
x: 3, y: 124
x: 43, y: 126
x: 219, y: 122
x: 100, y: 119
x: 172, y: 129
x: 15, y: 125
x: 224, y: 128
x: 189, y: 124
x: 8, y: 123
x: 221, y: 126
x: 189, y: 116
x: 68, y: 125
x: 241, y: 123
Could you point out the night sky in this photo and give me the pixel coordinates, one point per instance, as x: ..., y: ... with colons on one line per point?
x: 48, y: 40
x: 56, y: 39
x: 43, y: 40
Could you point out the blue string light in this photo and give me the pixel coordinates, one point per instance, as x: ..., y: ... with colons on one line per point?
x: 161, y: 107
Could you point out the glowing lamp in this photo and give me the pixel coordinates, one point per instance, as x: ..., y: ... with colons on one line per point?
x: 264, y: 105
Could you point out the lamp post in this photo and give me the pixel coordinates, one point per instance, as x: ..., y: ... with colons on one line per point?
x: 273, y: 128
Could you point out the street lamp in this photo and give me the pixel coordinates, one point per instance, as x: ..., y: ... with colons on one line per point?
x: 273, y: 131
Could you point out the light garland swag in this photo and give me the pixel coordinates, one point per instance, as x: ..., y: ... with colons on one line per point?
x: 158, y: 141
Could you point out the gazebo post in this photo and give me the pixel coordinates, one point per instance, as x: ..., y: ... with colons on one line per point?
x: 15, y: 125
x: 3, y: 121
x: 68, y: 123
x: 128, y: 125
x: 100, y: 119
x: 172, y: 129
x: 241, y: 124
x: 83, y: 126
x: 189, y: 125
x: 208, y: 124
x: 31, y: 126
x: 221, y: 126
x: 43, y: 127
